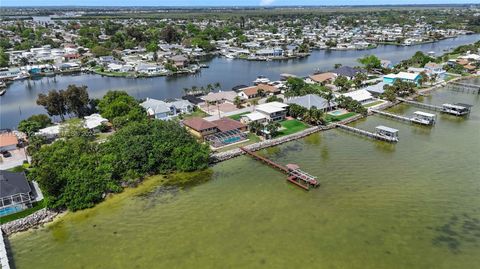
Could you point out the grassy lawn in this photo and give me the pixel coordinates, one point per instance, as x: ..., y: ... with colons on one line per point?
x: 238, y: 116
x: 291, y: 127
x: 331, y: 118
x: 196, y: 113
x: 36, y: 206
x: 373, y: 103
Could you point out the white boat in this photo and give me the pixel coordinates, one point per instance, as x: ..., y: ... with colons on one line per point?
x: 230, y: 56
x: 261, y: 80
x: 22, y: 75
x: 3, y: 91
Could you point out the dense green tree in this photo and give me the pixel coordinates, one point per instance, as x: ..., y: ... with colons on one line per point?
x: 32, y: 124
x: 54, y: 102
x: 4, y: 58
x: 77, y: 100
x: 370, y: 62
x: 120, y: 108
x: 343, y: 83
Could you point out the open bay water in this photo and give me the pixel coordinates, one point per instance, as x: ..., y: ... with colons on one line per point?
x: 414, y: 204
x: 19, y: 102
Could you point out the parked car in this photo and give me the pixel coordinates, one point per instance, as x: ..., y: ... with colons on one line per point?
x: 6, y: 154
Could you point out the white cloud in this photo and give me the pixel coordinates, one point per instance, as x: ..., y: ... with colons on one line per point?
x: 266, y: 2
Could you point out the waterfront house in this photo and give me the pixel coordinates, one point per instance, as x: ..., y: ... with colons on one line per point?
x: 220, y: 97
x: 16, y: 193
x: 199, y: 127
x: 347, y: 71
x: 8, y: 141
x: 159, y: 109
x: 253, y: 91
x: 106, y: 59
x: 386, y: 64
x: 123, y: 68
x: 376, y: 89
x: 312, y: 100
x: 435, y: 69
x: 253, y: 117
x: 274, y: 111
x: 94, y: 122
x: 404, y: 76
x: 322, y: 78
x: 179, y: 61
x: 363, y: 96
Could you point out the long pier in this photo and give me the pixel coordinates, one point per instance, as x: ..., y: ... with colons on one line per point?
x: 4, y: 263
x: 422, y: 105
x: 366, y: 133
x: 391, y: 115
x: 295, y: 175
x: 461, y: 86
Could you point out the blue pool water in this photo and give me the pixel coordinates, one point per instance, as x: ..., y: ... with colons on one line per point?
x: 336, y: 112
x: 231, y: 140
x: 10, y: 210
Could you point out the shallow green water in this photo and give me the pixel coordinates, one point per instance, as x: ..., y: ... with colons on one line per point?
x: 415, y: 204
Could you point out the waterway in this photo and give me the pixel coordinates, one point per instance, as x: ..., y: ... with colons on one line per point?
x: 414, y: 204
x: 19, y: 101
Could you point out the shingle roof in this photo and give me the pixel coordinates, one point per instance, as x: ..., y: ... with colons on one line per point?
x: 13, y: 183
x: 310, y: 100
x: 8, y: 139
x: 347, y: 71
x: 322, y: 77
x: 227, y: 124
x: 198, y: 124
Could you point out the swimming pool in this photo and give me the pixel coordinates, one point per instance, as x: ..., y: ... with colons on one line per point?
x: 231, y: 140
x: 337, y: 112
x: 10, y: 210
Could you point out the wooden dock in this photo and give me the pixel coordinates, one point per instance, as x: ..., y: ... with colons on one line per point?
x: 464, y: 87
x: 295, y: 175
x: 391, y: 115
x: 366, y: 133
x: 422, y: 105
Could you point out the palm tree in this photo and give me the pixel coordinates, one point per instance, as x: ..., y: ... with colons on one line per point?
x: 272, y: 128
x: 329, y: 96
x: 254, y: 102
x: 209, y: 87
x: 254, y: 127
x: 217, y: 85
x: 194, y: 89
x: 186, y: 90
x: 237, y: 101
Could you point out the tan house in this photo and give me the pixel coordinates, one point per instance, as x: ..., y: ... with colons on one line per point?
x: 253, y: 91
x: 323, y: 78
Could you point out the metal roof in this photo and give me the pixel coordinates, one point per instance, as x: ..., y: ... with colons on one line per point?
x: 387, y: 129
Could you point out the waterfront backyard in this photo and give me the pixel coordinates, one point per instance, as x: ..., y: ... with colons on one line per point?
x: 404, y: 205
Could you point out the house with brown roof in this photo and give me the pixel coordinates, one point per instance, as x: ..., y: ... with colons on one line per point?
x: 322, y: 78
x: 199, y: 127
x: 254, y: 91
x: 202, y: 128
x: 8, y: 141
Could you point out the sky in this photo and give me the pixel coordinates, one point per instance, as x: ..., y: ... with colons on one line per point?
x: 221, y: 2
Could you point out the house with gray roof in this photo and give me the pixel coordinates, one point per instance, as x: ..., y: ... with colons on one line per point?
x: 16, y: 194
x: 162, y: 110
x: 312, y: 100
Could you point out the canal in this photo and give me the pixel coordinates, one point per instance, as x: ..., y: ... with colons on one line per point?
x: 19, y: 101
x: 414, y: 204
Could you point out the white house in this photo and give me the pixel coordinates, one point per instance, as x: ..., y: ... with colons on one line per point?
x: 274, y: 111
x: 363, y: 96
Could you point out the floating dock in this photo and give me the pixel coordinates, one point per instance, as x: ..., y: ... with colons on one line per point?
x: 295, y: 175
x: 4, y: 263
x: 419, y: 118
x: 367, y: 133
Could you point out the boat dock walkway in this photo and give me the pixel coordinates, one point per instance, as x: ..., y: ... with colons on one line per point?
x: 4, y: 263
x: 461, y: 86
x: 295, y: 175
x: 422, y: 105
x: 366, y: 133
x: 391, y: 115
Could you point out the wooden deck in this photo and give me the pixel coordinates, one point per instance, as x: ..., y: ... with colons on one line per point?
x: 295, y: 176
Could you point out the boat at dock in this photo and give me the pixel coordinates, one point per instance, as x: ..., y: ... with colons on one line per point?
x: 423, y: 118
x: 261, y: 80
